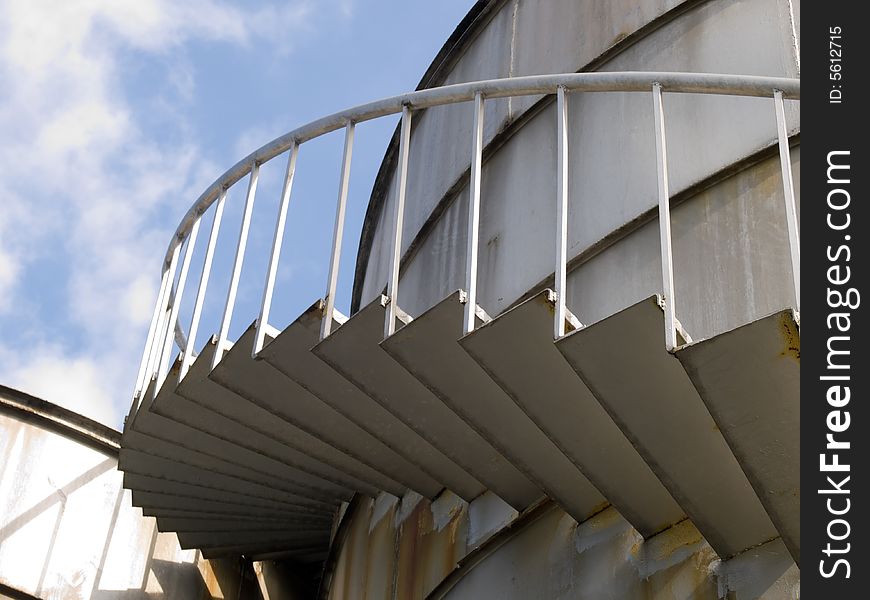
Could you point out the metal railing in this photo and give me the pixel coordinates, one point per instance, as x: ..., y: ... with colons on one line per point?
x: 165, y: 327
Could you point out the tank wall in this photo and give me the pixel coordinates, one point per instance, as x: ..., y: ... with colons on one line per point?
x: 68, y: 529
x: 612, y: 173
x: 549, y: 557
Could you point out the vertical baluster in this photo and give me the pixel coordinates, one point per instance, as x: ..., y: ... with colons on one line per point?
x: 398, y: 220
x: 338, y: 233
x: 160, y: 331
x: 237, y: 265
x: 152, y: 329
x: 794, y: 244
x: 166, y: 354
x: 187, y: 358
x: 664, y: 220
x: 266, y: 305
x: 561, y: 213
x: 473, y: 216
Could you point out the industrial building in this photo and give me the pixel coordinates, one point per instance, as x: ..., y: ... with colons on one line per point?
x: 571, y: 363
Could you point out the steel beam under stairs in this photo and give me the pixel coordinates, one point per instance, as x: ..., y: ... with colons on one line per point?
x: 428, y: 348
x: 749, y: 378
x: 516, y: 349
x: 625, y: 364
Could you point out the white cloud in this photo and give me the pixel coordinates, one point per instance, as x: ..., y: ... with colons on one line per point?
x: 77, y: 382
x: 80, y: 177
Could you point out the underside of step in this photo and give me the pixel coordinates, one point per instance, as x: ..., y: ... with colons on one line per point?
x: 256, y: 456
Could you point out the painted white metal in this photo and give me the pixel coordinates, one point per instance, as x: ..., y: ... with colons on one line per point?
x: 237, y: 265
x: 616, y: 81
x: 664, y: 220
x: 398, y: 220
x: 163, y: 367
x: 561, y: 272
x: 269, y: 288
x: 162, y: 323
x: 189, y: 350
x: 794, y: 243
x: 473, y: 216
x: 697, y: 83
x: 338, y: 233
x: 155, y: 317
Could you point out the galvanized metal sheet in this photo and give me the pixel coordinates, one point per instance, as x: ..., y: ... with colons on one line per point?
x: 624, y: 363
x: 443, y: 445
x: 187, y: 434
x: 517, y: 351
x: 200, y: 402
x: 749, y: 378
x: 429, y: 349
x: 379, y: 435
x: 276, y: 395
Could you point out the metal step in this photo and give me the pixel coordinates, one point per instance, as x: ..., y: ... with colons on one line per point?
x: 624, y: 363
x: 314, y: 553
x: 404, y: 452
x: 194, y: 402
x: 749, y: 378
x: 278, y: 539
x: 177, y: 474
x: 140, y: 463
x: 145, y: 483
x: 155, y: 504
x: 429, y: 349
x: 188, y: 435
x: 277, y: 395
x: 198, y: 515
x: 516, y: 349
x: 473, y: 465
x: 303, y: 523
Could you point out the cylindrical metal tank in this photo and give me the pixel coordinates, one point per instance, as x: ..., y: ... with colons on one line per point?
x: 731, y: 263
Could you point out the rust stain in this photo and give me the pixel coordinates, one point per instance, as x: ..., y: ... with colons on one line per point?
x: 791, y: 337
x: 426, y: 554
x: 618, y: 38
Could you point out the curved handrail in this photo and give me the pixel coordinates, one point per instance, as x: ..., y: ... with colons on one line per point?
x: 625, y: 81
x: 155, y: 360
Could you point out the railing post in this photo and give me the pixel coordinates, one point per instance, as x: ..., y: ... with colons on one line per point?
x: 152, y: 329
x: 473, y: 215
x: 269, y: 288
x: 176, y: 304
x: 398, y: 220
x: 561, y: 214
x: 664, y: 220
x: 187, y: 357
x: 161, y: 330
x: 338, y: 232
x: 794, y: 244
x: 237, y: 265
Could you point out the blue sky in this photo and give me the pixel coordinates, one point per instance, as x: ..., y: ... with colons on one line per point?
x: 116, y: 114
